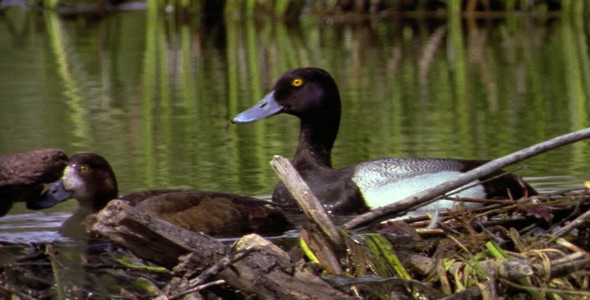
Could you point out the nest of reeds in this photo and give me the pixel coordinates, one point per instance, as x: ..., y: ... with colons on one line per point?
x: 534, y: 248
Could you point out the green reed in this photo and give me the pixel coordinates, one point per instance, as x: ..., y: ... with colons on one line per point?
x: 295, y: 8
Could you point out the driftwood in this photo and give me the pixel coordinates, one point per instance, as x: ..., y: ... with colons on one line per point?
x: 310, y: 204
x: 267, y: 272
x: 22, y: 175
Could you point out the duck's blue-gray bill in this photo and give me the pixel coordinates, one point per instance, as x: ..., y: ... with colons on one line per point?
x: 265, y: 108
x: 55, y: 194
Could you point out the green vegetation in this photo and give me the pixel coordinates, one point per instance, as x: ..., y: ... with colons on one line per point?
x: 154, y: 91
x: 177, y: 84
x: 291, y: 9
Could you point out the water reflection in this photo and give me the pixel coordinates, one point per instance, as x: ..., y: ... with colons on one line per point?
x: 155, y: 97
x: 31, y: 227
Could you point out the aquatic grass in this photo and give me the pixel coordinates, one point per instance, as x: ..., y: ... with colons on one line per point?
x: 457, y: 52
x: 281, y: 7
x: 187, y: 74
x: 249, y: 7
x: 383, y: 257
x: 296, y: 50
x: 459, y: 268
x: 252, y: 79
x: 510, y: 5
x: 62, y: 49
x: 233, y: 9
x: 51, y: 4
x: 573, y: 7
x: 150, y: 73
x: 56, y: 271
x: 294, y: 8
x: 244, y: 50
x: 574, y: 57
x: 154, y: 7
x: 234, y: 77
x: 458, y: 65
x: 289, y: 54
x: 252, y: 52
x: 131, y: 263
x: 497, y: 252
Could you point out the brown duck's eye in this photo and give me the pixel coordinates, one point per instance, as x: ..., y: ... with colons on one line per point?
x: 297, y: 82
x: 84, y: 168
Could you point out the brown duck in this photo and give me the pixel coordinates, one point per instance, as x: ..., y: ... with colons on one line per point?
x: 90, y: 180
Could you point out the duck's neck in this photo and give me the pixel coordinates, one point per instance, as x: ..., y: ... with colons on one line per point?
x: 316, y: 139
x: 98, y: 199
x: 102, y: 202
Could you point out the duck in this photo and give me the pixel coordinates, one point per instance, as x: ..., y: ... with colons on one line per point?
x: 90, y: 179
x: 311, y: 94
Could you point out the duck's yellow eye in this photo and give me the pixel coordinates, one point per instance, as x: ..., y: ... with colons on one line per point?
x: 84, y: 168
x: 297, y: 82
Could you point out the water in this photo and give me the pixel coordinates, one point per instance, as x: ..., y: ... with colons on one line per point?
x: 31, y: 227
x: 155, y: 97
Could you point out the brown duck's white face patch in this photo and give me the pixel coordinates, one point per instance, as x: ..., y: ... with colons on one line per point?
x: 71, y: 178
x: 75, y: 182
x: 82, y: 180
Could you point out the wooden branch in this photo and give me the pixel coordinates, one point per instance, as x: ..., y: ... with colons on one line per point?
x: 510, y: 268
x: 575, y: 262
x: 37, y: 166
x: 22, y: 175
x: 311, y: 206
x: 582, y: 219
x: 267, y: 272
x: 153, y: 238
x: 428, y: 196
x: 473, y: 293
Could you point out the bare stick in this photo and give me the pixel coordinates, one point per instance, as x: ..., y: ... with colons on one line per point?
x: 305, y: 198
x: 199, y: 283
x: 574, y: 224
x: 197, y: 288
x: 428, y: 196
x: 223, y: 263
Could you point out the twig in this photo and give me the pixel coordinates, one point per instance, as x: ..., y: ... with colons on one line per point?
x: 55, y: 264
x: 545, y: 290
x: 305, y: 198
x: 472, y: 293
x: 480, y: 183
x: 575, y: 192
x: 198, y: 282
x: 427, y: 196
x: 19, y: 294
x: 569, y: 264
x: 197, y: 288
x: 575, y: 223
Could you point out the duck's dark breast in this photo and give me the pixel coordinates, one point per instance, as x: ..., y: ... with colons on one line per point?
x: 333, y: 188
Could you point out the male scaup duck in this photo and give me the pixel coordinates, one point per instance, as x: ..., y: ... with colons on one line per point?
x: 311, y: 95
x: 90, y: 180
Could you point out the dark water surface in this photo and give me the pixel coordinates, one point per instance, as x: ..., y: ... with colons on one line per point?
x: 155, y: 97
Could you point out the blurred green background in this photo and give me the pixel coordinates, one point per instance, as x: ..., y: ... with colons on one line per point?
x: 153, y: 87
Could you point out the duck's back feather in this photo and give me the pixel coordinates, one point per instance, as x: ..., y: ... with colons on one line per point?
x: 385, y: 181
x: 217, y: 214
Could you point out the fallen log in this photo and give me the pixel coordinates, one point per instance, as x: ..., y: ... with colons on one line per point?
x: 308, y: 202
x: 23, y: 175
x: 266, y: 272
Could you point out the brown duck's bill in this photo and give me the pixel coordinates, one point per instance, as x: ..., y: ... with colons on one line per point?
x: 55, y: 194
x: 265, y: 108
